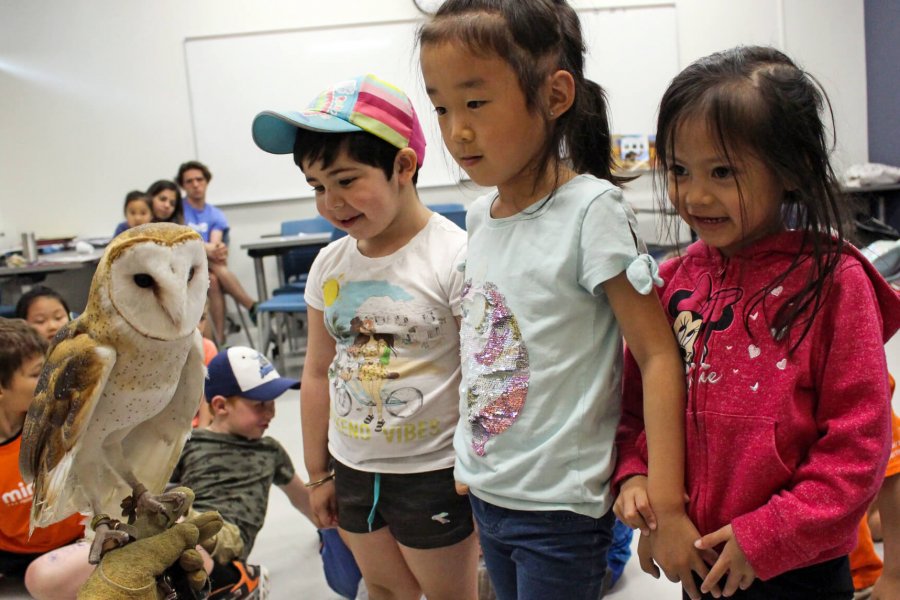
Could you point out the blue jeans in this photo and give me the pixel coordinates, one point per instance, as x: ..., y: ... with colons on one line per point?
x: 543, y: 555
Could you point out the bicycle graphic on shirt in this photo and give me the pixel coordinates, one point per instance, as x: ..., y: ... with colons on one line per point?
x: 400, y: 403
x: 352, y: 382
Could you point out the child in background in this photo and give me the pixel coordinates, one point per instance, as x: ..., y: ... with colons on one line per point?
x: 781, y: 332
x: 165, y: 201
x: 555, y: 276
x: 230, y: 465
x: 22, y: 352
x: 204, y: 414
x: 211, y: 224
x: 383, y: 345
x: 137, y: 211
x: 872, y: 577
x: 44, y: 309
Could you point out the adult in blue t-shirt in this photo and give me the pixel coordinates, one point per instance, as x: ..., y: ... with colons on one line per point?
x: 211, y: 224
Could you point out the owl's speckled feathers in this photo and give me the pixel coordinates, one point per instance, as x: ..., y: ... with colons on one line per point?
x: 121, y: 383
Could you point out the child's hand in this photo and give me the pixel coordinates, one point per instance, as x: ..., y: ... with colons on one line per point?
x: 632, y: 507
x: 323, y: 503
x: 887, y: 587
x: 461, y: 488
x: 732, y: 561
x: 672, y: 547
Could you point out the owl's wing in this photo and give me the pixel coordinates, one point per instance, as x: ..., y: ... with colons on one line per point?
x: 71, y: 382
x: 156, y: 444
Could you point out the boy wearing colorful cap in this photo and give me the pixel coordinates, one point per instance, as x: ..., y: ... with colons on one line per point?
x: 230, y: 465
x: 383, y: 343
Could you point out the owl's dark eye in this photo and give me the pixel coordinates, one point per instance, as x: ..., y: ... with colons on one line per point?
x: 143, y: 280
x: 191, y: 274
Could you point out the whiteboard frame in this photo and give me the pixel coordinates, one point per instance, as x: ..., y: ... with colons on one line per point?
x: 434, y: 153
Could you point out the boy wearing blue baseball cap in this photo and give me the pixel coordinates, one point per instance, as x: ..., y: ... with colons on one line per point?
x: 231, y: 465
x: 380, y: 397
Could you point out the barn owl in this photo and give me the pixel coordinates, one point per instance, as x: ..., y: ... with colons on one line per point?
x: 114, y: 403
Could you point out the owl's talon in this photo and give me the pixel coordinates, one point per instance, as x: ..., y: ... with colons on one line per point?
x: 172, y: 505
x: 108, y: 535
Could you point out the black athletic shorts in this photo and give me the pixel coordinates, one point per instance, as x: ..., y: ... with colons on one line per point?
x: 422, y: 510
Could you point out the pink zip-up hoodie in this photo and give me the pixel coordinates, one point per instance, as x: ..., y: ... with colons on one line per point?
x: 789, y: 448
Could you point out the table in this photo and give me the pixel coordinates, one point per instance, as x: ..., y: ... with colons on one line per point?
x: 878, y: 193
x: 276, y: 246
x: 74, y: 289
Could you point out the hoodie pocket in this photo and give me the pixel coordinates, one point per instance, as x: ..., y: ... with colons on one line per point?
x: 743, y: 468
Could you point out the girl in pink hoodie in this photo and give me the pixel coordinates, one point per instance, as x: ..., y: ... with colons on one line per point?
x: 781, y: 325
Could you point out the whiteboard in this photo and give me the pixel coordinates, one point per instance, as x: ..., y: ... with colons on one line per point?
x: 632, y: 54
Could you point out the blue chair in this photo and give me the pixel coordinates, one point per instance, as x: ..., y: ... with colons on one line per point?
x: 294, y: 265
x: 442, y: 208
x: 280, y: 307
x: 7, y: 311
x: 457, y: 216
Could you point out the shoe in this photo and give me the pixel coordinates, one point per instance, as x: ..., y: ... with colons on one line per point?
x: 485, y: 588
x: 231, y: 326
x: 253, y: 584
x: 252, y: 312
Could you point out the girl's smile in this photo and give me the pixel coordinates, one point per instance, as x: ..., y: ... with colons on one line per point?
x: 728, y: 203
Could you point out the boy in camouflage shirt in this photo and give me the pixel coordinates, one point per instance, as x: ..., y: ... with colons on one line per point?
x: 230, y: 466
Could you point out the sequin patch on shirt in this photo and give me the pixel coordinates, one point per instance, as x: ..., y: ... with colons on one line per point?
x: 495, y: 363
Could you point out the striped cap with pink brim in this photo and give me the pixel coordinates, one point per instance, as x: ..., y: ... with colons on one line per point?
x: 365, y: 103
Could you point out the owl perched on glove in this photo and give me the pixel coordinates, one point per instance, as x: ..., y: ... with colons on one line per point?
x: 120, y: 385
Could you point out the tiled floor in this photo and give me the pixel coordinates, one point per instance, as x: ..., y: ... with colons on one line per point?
x: 288, y: 546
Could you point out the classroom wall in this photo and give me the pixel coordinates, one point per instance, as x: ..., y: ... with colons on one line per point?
x: 94, y: 99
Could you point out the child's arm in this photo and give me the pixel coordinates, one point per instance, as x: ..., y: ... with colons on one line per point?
x: 652, y: 344
x: 629, y: 480
x: 888, y: 585
x: 298, y: 495
x: 650, y: 341
x: 314, y: 411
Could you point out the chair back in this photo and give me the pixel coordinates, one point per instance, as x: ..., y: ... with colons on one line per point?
x: 457, y: 216
x: 442, y: 208
x: 317, y: 224
x: 297, y: 262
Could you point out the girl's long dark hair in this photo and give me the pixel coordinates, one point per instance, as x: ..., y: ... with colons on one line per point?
x: 537, y: 38
x: 756, y: 100
x: 164, y: 184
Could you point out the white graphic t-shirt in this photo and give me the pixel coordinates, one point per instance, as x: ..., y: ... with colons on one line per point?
x: 395, y: 375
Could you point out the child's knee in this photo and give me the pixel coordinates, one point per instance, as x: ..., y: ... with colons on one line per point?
x: 59, y: 573
x: 41, y: 579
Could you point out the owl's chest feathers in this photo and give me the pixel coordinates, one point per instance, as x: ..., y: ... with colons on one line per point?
x: 144, y: 380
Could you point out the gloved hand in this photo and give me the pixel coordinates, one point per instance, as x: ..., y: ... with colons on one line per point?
x: 134, y: 570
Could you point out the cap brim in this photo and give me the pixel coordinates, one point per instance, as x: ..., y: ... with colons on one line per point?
x: 271, y: 390
x: 275, y: 131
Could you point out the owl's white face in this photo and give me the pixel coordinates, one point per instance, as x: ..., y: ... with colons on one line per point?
x: 160, y: 290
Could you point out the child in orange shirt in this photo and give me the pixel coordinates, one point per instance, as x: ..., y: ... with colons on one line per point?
x: 22, y: 352
x: 873, y: 578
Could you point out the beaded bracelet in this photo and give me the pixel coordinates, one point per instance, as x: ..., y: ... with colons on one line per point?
x: 325, y: 479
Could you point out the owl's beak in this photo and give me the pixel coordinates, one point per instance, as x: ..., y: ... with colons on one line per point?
x: 174, y: 307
